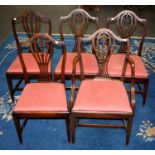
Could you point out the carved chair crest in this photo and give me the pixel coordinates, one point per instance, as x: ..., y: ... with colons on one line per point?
x: 31, y: 21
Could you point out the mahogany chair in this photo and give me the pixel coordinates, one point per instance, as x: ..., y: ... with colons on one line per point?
x: 126, y: 23
x: 103, y: 97
x: 30, y: 22
x: 45, y: 98
x: 78, y: 21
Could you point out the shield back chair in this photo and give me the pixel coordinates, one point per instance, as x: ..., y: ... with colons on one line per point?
x: 30, y: 22
x: 126, y: 22
x: 78, y: 20
x: 45, y: 98
x: 102, y: 97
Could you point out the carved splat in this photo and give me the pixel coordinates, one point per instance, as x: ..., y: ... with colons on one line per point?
x: 31, y: 22
x: 42, y: 46
x: 126, y: 22
x: 103, y: 43
x: 78, y: 21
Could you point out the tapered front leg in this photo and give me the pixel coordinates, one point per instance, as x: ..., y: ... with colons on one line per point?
x: 145, y: 91
x: 18, y: 128
x: 68, y: 127
x: 10, y: 86
x: 128, y: 131
x: 73, y: 127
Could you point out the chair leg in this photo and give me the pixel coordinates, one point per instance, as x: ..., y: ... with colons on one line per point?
x: 10, y: 86
x: 68, y: 127
x: 55, y: 77
x: 73, y: 126
x: 128, y: 131
x: 146, y: 83
x: 18, y: 128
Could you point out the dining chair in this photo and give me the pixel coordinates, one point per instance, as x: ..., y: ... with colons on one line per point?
x: 44, y: 99
x: 126, y: 22
x: 28, y: 23
x: 102, y: 97
x: 78, y: 21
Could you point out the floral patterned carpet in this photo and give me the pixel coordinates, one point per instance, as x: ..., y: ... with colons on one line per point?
x: 49, y: 134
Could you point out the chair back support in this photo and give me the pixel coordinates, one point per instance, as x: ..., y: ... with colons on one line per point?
x: 126, y: 22
x: 29, y: 22
x: 42, y: 47
x: 78, y: 21
x: 103, y: 42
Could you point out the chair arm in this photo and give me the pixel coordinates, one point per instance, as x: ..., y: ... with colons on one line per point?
x: 64, y: 52
x: 132, y: 84
x: 73, y: 87
x: 132, y: 65
x: 63, y: 46
x: 72, y: 96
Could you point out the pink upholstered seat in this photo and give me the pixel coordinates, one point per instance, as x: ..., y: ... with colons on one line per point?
x: 30, y: 62
x: 41, y: 97
x: 102, y: 96
x: 116, y: 63
x: 89, y: 63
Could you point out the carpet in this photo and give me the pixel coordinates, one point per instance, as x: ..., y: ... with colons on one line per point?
x: 51, y: 134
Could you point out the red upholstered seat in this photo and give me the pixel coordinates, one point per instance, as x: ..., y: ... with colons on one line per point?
x: 30, y: 62
x: 115, y: 66
x: 41, y: 97
x: 102, y: 96
x: 89, y: 63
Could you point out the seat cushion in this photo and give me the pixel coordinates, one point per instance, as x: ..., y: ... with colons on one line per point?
x: 102, y: 96
x: 89, y: 63
x: 42, y: 97
x: 115, y: 66
x: 30, y: 62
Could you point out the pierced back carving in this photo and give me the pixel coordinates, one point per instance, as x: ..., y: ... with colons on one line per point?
x: 126, y: 22
x: 42, y: 47
x: 31, y: 22
x: 103, y: 42
x: 78, y: 21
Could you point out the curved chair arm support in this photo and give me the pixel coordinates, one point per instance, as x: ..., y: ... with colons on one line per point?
x: 77, y: 59
x: 132, y: 95
x: 64, y: 52
x: 132, y: 84
x: 73, y: 87
x: 132, y: 66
